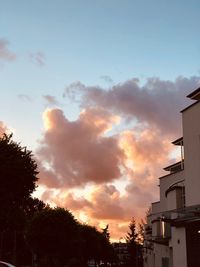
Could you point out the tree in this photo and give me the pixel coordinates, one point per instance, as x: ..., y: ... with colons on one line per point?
x: 95, y: 246
x: 141, y: 230
x: 51, y: 234
x: 18, y: 173
x: 89, y: 245
x: 132, y: 234
x: 134, y: 246
x: 105, y: 232
x: 33, y: 205
x: 18, y: 177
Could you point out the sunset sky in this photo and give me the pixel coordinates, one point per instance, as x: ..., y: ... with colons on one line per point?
x: 94, y: 89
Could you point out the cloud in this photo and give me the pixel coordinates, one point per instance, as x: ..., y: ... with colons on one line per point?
x: 75, y: 151
x: 108, y: 197
x: 73, y: 91
x: 144, y: 154
x: 106, y: 79
x: 66, y: 199
x: 157, y: 102
x: 51, y: 100
x: 5, y: 53
x: 37, y: 58
x: 3, y: 128
x: 24, y: 97
x: 89, y: 152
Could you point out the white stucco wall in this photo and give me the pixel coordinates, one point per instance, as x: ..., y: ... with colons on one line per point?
x: 161, y: 251
x: 171, y: 200
x: 178, y: 243
x: 191, y: 135
x: 165, y: 182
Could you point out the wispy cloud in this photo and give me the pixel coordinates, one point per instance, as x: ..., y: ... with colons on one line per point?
x: 24, y: 97
x: 51, y: 100
x: 38, y: 58
x: 5, y: 53
x: 106, y: 79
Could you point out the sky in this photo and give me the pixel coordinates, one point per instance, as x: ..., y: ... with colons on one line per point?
x: 94, y: 88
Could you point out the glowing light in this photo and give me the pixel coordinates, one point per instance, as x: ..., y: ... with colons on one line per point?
x: 83, y: 217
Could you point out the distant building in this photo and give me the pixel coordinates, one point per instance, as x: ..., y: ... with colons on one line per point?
x: 172, y: 233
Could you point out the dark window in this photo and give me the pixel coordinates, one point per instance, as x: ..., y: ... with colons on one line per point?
x: 193, y: 244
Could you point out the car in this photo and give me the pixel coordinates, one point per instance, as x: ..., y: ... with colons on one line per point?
x: 5, y: 264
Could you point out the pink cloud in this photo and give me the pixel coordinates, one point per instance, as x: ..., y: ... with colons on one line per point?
x: 51, y: 100
x: 75, y: 151
x: 106, y: 204
x: 85, y: 151
x: 5, y: 53
x: 3, y: 128
x: 157, y: 102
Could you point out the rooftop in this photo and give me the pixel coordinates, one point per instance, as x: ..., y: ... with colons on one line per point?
x: 175, y: 167
x: 178, y: 142
x: 195, y: 95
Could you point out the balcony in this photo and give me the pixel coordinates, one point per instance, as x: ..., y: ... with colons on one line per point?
x: 176, y: 167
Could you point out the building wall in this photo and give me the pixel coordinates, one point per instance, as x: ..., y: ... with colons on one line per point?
x: 149, y: 259
x: 171, y: 200
x: 175, y: 253
x: 161, y: 252
x: 156, y: 207
x: 165, y: 182
x: 191, y: 135
x: 178, y: 242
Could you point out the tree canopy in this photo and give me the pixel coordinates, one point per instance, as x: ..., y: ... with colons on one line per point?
x: 28, y: 225
x: 58, y: 239
x: 18, y: 177
x: 18, y: 172
x: 134, y: 244
x: 51, y: 234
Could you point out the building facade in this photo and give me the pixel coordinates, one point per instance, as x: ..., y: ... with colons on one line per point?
x: 172, y: 232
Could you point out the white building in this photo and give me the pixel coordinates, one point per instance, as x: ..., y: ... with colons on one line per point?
x: 172, y: 236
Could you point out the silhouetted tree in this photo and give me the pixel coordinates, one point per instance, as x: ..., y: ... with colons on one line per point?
x: 33, y: 205
x: 18, y: 173
x: 95, y: 245
x: 134, y: 246
x: 140, y: 237
x: 131, y: 236
x: 105, y: 232
x: 18, y: 177
x: 51, y: 234
x: 90, y: 247
x: 107, y: 250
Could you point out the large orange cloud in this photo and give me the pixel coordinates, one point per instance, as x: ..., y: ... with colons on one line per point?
x: 76, y: 153
x: 88, y: 152
x: 145, y: 153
